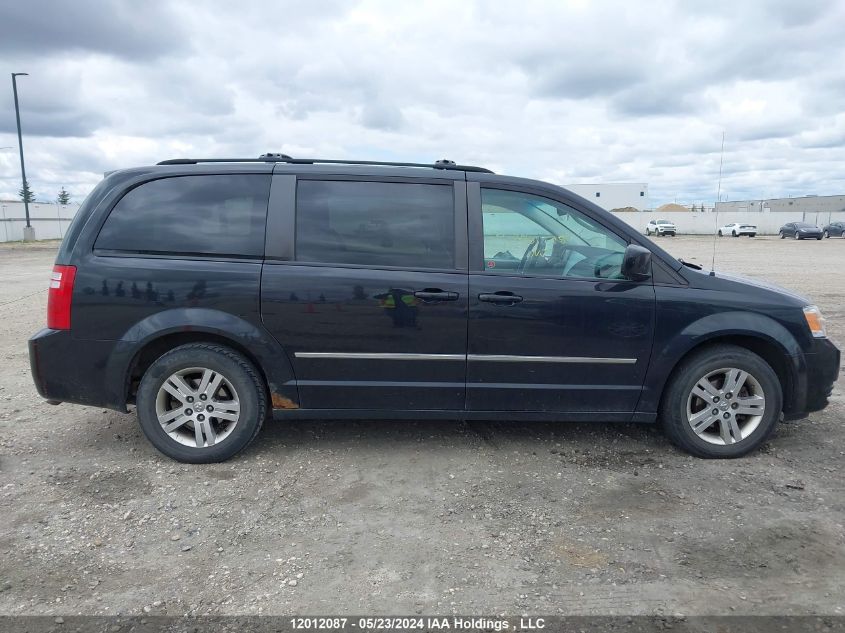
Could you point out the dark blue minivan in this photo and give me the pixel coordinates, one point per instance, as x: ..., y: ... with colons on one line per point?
x: 214, y: 293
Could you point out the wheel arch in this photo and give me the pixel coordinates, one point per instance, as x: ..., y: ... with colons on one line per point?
x: 161, y: 332
x: 760, y: 335
x: 768, y: 350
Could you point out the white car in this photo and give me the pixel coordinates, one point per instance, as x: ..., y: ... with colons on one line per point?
x: 738, y: 228
x: 660, y: 227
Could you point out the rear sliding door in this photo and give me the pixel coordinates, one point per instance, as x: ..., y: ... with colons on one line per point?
x: 370, y: 299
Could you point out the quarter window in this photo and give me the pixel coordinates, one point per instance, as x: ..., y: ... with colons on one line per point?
x: 208, y: 215
x: 407, y: 225
x: 531, y: 235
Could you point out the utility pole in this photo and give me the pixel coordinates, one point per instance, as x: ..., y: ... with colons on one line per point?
x: 28, y: 231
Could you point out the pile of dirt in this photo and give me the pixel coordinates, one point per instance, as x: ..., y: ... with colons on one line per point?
x: 665, y: 208
x: 626, y: 209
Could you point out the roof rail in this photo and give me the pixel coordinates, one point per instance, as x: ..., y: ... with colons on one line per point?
x: 284, y: 158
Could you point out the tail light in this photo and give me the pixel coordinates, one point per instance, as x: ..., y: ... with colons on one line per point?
x: 60, y: 297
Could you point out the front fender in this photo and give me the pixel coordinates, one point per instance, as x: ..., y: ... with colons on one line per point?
x: 271, y: 358
x: 670, y: 347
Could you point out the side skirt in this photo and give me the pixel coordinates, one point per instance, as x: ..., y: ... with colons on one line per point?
x: 431, y: 414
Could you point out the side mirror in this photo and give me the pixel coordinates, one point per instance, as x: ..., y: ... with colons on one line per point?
x: 636, y: 263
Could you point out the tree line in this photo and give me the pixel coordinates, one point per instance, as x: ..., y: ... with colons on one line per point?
x: 27, y: 195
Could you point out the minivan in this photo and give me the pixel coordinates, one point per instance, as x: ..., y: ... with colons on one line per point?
x: 212, y: 294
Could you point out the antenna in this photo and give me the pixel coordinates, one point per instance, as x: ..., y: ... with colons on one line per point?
x: 716, y: 208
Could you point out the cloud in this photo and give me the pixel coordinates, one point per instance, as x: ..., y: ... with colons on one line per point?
x: 118, y: 27
x: 566, y: 91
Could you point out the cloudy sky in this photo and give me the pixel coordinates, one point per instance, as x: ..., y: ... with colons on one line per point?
x: 570, y: 92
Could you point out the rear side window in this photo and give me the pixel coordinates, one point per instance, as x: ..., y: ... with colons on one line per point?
x: 207, y: 215
x: 375, y: 224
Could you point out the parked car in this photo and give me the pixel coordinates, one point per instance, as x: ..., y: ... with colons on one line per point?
x: 736, y: 229
x: 835, y: 229
x: 800, y: 231
x: 660, y: 227
x: 212, y: 294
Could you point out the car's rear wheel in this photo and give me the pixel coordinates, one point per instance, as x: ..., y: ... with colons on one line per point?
x: 720, y: 232
x: 201, y: 403
x: 752, y: 235
x: 733, y: 233
x: 648, y: 232
x: 723, y: 402
x: 795, y: 236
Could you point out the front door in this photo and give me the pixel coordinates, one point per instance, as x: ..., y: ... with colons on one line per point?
x: 372, y: 309
x: 553, y: 325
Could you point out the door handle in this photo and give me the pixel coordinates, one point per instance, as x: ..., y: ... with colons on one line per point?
x: 432, y: 295
x: 502, y: 297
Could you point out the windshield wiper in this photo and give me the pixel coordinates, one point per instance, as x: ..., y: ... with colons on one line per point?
x: 689, y: 264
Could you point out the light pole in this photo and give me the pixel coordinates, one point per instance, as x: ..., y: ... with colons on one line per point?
x: 28, y: 231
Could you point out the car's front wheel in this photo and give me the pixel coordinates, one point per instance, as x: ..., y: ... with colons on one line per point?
x: 720, y: 232
x: 782, y: 234
x: 201, y: 403
x: 733, y: 233
x: 795, y: 236
x: 722, y: 402
x: 826, y: 234
x: 648, y: 232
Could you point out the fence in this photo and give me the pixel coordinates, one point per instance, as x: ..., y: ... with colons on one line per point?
x: 767, y: 223
x: 50, y: 221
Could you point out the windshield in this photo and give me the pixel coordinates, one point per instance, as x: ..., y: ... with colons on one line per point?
x: 804, y: 225
x: 663, y: 222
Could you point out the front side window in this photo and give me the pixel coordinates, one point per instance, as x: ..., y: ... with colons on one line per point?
x: 531, y: 235
x: 207, y: 215
x: 406, y: 225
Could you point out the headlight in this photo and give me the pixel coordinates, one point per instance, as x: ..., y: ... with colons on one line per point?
x: 815, y: 321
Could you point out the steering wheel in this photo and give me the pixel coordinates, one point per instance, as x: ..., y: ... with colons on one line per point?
x: 523, y: 263
x: 603, y: 268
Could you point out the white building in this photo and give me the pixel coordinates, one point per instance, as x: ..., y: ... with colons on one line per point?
x: 803, y: 204
x: 614, y: 195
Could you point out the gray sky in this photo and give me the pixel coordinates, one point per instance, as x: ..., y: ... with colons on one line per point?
x: 568, y: 92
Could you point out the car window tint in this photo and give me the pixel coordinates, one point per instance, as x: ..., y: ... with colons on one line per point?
x: 532, y: 235
x: 375, y: 224
x: 212, y: 215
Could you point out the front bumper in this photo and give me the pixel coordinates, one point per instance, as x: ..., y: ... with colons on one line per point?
x: 66, y: 369
x: 822, y: 370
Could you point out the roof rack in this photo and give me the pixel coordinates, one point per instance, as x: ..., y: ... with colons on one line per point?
x: 284, y: 158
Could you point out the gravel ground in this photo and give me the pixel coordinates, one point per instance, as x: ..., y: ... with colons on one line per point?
x: 418, y: 517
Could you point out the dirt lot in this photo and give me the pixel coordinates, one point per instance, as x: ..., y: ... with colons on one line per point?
x: 419, y: 517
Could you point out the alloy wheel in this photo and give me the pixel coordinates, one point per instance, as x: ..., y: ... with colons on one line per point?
x: 725, y: 406
x: 197, y: 407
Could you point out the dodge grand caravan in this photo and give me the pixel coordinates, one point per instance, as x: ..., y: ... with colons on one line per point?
x: 212, y: 294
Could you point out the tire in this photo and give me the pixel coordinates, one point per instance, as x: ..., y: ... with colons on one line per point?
x: 752, y: 235
x: 781, y: 234
x: 819, y: 237
x: 720, y: 232
x: 826, y: 235
x: 795, y: 236
x: 733, y: 233
x: 239, y: 393
x: 680, y: 405
x: 648, y: 232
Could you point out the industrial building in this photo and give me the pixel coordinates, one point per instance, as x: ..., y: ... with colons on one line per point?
x: 803, y: 204
x: 614, y: 195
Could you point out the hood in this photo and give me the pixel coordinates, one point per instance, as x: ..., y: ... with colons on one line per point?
x: 763, y: 285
